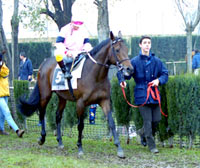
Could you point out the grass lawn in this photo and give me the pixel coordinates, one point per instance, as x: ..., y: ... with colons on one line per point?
x: 26, y: 153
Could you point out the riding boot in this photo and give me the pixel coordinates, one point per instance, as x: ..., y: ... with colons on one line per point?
x: 65, y: 70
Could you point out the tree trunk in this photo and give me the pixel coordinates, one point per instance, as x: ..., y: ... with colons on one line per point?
x: 128, y: 135
x: 190, y: 141
x: 189, y: 51
x: 103, y: 20
x: 15, y: 31
x: 62, y: 14
x: 180, y: 142
x: 4, y: 44
x: 171, y: 142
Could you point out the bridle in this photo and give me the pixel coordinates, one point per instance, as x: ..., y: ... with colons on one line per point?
x: 118, y: 63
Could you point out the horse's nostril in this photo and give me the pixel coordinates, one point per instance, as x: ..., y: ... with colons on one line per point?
x: 130, y: 70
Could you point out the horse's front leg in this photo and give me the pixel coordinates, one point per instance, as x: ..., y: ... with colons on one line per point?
x: 107, y: 110
x: 80, y: 131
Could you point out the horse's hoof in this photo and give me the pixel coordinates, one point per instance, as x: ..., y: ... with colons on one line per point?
x: 120, y: 154
x: 40, y: 142
x: 60, y: 146
x: 80, y: 153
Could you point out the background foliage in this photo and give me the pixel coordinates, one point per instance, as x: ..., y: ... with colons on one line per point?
x: 168, y: 48
x: 21, y: 89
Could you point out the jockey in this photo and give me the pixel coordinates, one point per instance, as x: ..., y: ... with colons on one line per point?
x: 71, y: 41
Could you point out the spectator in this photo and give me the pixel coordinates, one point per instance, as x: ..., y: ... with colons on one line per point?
x: 25, y: 68
x: 196, y: 61
x: 92, y: 113
x: 4, y: 93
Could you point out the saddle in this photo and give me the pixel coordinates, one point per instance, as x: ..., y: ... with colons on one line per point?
x: 59, y: 82
x: 73, y: 63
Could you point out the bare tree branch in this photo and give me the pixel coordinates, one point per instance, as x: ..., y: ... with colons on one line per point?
x: 181, y: 10
x: 198, y: 15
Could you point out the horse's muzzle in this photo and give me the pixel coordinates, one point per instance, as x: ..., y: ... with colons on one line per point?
x: 128, y: 71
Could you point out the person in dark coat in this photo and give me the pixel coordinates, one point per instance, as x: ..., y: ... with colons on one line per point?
x: 148, y: 69
x: 25, y: 68
x: 196, y: 62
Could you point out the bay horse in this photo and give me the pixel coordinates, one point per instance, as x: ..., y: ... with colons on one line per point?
x: 92, y: 88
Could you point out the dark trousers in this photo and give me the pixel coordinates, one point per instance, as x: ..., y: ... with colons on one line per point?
x: 151, y: 116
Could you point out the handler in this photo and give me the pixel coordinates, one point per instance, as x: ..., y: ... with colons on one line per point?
x: 148, y: 69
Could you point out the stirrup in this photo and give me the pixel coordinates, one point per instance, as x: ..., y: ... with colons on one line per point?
x: 67, y: 75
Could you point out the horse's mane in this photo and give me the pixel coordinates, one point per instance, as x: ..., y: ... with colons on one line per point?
x: 99, y: 46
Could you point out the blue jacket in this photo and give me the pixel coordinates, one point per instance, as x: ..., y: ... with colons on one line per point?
x: 25, y: 69
x: 146, y: 69
x: 196, y: 61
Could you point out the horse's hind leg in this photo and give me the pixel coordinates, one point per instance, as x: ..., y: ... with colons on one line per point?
x: 41, y: 140
x: 45, y: 97
x: 59, y: 112
x: 105, y: 104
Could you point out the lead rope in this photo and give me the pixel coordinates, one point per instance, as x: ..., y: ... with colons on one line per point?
x: 149, y: 91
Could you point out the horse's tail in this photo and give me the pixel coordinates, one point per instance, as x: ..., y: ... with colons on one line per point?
x: 27, y: 108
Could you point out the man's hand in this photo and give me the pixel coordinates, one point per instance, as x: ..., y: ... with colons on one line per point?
x: 30, y: 77
x: 154, y: 82
x: 123, y: 84
x: 1, y: 64
x: 69, y: 55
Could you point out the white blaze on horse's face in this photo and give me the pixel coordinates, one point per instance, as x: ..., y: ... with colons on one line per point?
x: 121, y: 52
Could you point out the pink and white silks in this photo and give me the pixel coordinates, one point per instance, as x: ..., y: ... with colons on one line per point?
x: 73, y: 43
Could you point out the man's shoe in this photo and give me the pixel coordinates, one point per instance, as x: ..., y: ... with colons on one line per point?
x: 154, y: 150
x: 20, y: 133
x: 3, y: 133
x: 142, y: 137
x: 143, y: 141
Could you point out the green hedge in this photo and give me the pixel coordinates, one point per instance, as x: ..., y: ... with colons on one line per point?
x: 180, y: 101
x: 167, y: 48
x: 36, y: 51
x: 69, y: 118
x: 21, y: 89
x: 121, y: 108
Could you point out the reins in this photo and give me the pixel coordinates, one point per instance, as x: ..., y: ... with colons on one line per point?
x: 155, y: 95
x: 118, y: 63
x: 94, y: 61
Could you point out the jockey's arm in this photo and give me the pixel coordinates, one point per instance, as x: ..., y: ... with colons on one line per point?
x: 60, y: 47
x: 86, y: 45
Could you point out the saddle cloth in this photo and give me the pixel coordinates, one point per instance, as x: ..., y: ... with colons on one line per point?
x: 60, y: 83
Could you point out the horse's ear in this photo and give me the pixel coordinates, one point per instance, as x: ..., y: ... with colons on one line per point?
x: 120, y: 34
x: 112, y: 37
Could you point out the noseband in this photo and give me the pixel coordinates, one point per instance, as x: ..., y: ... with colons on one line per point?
x: 118, y: 63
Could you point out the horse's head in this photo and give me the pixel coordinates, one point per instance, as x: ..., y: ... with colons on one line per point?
x: 119, y: 55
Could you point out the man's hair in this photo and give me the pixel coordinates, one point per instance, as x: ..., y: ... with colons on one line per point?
x: 23, y: 54
x: 144, y: 37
